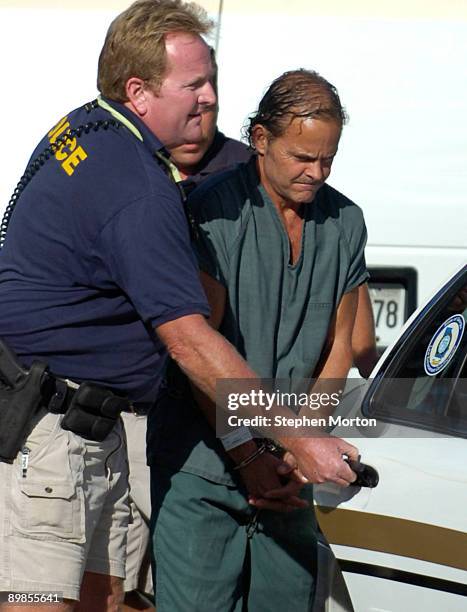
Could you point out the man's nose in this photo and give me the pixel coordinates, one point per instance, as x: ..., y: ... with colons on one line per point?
x: 315, y: 171
x: 207, y: 95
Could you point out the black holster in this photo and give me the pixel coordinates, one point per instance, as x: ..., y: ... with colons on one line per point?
x: 18, y: 404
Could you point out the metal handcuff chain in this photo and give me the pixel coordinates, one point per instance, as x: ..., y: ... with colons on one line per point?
x: 46, y: 154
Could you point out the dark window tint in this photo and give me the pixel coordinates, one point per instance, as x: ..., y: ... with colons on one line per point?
x: 424, y: 380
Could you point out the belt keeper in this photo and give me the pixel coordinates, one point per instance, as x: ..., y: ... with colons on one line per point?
x: 58, y: 398
x: 257, y: 453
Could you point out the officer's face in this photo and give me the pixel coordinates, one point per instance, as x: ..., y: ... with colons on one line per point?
x: 174, y: 110
x: 295, y: 165
x: 187, y: 156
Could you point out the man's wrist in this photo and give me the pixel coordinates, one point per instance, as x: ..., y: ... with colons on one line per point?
x: 291, y: 444
x: 259, y: 450
x: 242, y: 452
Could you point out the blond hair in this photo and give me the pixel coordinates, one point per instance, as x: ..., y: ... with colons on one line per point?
x: 135, y: 43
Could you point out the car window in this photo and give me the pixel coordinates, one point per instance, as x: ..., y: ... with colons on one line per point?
x: 423, y: 381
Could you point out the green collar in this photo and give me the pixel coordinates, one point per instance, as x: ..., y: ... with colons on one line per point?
x: 171, y: 166
x: 126, y: 122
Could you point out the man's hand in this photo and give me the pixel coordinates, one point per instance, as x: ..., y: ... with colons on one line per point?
x: 321, y: 459
x: 272, y: 483
x: 264, y: 480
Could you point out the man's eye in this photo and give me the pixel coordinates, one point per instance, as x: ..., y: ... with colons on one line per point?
x: 195, y: 85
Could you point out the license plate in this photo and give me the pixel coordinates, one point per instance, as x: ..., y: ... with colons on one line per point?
x: 389, y: 308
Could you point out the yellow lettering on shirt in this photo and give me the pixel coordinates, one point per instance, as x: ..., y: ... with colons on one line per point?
x: 56, y: 128
x: 69, y: 144
x: 67, y: 153
x: 77, y: 156
x: 59, y: 132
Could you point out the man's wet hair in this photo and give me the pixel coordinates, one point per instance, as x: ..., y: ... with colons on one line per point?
x: 295, y: 94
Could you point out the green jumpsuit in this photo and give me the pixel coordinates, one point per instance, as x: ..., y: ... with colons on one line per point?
x: 210, y: 555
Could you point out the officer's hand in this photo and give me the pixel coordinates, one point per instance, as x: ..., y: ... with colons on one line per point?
x: 321, y: 459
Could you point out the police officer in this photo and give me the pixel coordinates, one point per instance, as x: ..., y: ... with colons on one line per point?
x: 97, y: 279
x: 195, y: 161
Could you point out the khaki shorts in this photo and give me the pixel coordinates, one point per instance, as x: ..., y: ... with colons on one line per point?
x: 64, y: 513
x: 138, y: 562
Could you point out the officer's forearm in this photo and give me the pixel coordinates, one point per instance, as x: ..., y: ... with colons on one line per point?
x: 202, y: 353
x: 206, y: 357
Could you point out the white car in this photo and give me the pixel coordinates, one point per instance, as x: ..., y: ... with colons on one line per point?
x: 402, y: 545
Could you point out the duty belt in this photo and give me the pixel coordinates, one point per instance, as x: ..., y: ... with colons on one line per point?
x: 59, y: 393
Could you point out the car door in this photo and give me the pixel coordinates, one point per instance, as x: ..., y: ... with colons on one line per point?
x: 402, y: 546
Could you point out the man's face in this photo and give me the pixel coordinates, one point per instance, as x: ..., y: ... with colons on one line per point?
x: 187, y: 156
x: 295, y: 165
x: 174, y: 112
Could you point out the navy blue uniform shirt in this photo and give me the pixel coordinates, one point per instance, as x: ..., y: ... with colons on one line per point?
x: 97, y: 254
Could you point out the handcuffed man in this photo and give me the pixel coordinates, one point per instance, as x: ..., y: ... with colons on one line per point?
x: 282, y: 258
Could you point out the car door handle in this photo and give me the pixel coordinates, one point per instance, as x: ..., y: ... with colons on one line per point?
x: 367, y: 476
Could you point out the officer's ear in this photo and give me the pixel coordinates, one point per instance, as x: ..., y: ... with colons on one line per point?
x: 136, y: 91
x: 260, y: 137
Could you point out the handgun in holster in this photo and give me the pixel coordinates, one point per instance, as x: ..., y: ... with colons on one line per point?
x: 90, y: 410
x: 20, y: 398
